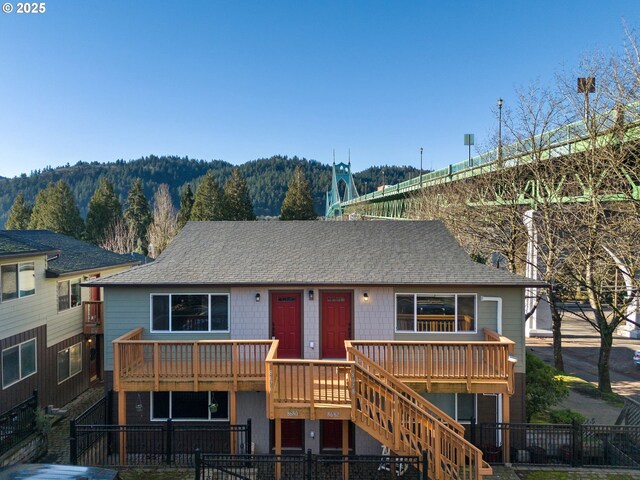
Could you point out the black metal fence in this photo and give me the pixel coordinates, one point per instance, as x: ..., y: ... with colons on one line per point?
x: 95, y: 441
x: 570, y: 444
x: 18, y: 423
x: 309, y: 467
x: 153, y: 444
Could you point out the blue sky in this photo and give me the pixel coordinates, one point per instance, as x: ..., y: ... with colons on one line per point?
x: 239, y: 80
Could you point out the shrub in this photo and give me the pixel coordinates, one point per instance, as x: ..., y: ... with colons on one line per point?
x: 544, y: 388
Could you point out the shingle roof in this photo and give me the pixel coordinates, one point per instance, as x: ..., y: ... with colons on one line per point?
x: 13, y: 247
x: 75, y: 255
x: 315, y: 253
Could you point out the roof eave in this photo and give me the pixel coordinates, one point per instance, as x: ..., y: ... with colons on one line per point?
x: 53, y: 274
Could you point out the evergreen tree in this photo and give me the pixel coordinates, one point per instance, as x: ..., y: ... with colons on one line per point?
x: 19, y: 214
x: 104, y: 210
x: 186, y: 204
x: 236, y: 198
x: 55, y: 209
x: 298, y: 204
x: 138, y: 216
x: 208, y: 203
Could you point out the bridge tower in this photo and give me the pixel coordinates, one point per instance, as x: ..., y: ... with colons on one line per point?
x: 341, y: 173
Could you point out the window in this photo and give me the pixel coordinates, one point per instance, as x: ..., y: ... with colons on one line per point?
x: 69, y: 362
x: 435, y: 312
x: 190, y: 406
x: 190, y: 313
x: 17, y: 280
x: 69, y: 295
x: 459, y: 406
x: 18, y: 362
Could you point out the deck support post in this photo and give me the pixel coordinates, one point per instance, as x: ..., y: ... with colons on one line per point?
x: 345, y: 449
x: 122, y: 420
x: 278, y: 427
x: 233, y: 420
x: 506, y: 450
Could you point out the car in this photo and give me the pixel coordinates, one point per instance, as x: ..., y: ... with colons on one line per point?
x: 58, y: 472
x: 636, y: 358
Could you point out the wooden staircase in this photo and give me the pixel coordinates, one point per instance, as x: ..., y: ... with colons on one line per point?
x: 408, y: 424
x: 360, y: 390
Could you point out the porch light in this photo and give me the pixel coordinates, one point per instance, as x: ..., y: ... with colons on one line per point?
x: 310, y: 294
x: 512, y: 359
x: 257, y: 297
x: 365, y: 296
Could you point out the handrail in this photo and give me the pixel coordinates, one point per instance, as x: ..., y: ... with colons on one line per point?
x: 408, y: 393
x: 395, y: 415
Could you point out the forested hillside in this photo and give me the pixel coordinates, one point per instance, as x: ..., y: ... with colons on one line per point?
x: 267, y: 179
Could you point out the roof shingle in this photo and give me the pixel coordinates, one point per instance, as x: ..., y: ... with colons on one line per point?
x: 315, y: 253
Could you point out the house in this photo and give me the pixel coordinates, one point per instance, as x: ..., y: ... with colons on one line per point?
x: 50, y: 327
x: 328, y: 335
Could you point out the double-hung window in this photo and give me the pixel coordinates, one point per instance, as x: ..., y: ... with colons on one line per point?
x: 435, y: 312
x: 69, y: 295
x: 17, y: 280
x: 190, y: 312
x: 18, y: 362
x: 69, y: 362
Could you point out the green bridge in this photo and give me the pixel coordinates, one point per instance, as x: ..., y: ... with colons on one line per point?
x: 620, y: 125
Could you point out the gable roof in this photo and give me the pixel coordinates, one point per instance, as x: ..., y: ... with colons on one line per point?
x: 75, y: 256
x: 315, y: 253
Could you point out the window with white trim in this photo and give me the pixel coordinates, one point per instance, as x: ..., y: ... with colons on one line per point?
x: 69, y: 362
x: 69, y: 294
x: 19, y: 362
x: 17, y: 280
x: 189, y: 312
x: 459, y: 406
x: 435, y: 312
x: 190, y: 406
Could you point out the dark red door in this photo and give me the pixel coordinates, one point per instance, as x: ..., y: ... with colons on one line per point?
x: 286, y: 319
x: 336, y: 323
x: 331, y: 435
x: 286, y: 326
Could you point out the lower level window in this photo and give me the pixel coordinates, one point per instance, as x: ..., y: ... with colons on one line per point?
x: 18, y: 362
x: 69, y: 362
x: 190, y: 405
x: 459, y: 406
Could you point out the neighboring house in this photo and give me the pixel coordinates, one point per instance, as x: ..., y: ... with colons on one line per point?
x: 312, y: 286
x: 44, y: 342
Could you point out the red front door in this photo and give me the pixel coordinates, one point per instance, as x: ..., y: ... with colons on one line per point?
x: 286, y: 326
x: 331, y: 435
x: 286, y: 320
x: 336, y: 323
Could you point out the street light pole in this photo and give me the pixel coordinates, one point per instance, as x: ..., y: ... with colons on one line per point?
x: 500, y: 131
x: 421, y: 149
x: 586, y: 85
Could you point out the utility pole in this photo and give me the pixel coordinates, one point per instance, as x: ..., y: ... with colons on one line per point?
x: 500, y: 131
x: 421, y: 149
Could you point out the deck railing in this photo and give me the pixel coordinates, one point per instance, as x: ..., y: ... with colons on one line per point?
x: 92, y: 317
x: 140, y: 362
x: 469, y: 362
x: 296, y: 384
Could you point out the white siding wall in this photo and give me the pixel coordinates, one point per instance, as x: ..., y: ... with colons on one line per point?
x: 28, y: 312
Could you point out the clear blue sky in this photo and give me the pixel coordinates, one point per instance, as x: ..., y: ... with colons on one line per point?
x: 239, y: 80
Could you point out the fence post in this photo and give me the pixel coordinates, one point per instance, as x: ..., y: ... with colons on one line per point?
x: 198, y: 465
x: 73, y: 443
x: 425, y: 465
x: 576, y: 449
x: 169, y: 440
x: 248, y: 438
x: 309, y: 462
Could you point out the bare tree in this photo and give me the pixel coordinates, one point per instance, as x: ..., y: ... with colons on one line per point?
x: 165, y: 222
x: 119, y: 237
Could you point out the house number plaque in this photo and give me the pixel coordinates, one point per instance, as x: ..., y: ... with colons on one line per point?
x: 333, y: 414
x: 293, y: 413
